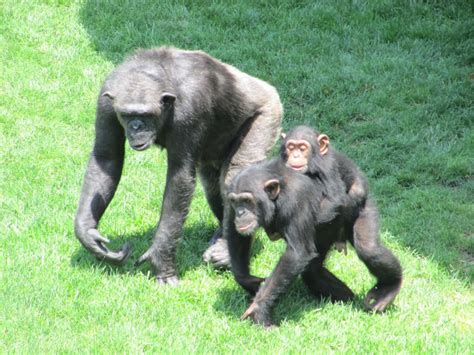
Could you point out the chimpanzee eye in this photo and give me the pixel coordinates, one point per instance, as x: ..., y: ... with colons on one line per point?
x: 291, y: 146
x: 302, y: 147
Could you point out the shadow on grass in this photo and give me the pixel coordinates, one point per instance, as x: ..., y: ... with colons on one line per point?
x: 117, y: 28
x: 190, y: 249
x: 292, y: 306
x: 192, y: 245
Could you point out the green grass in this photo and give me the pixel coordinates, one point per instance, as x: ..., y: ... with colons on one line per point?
x: 391, y: 82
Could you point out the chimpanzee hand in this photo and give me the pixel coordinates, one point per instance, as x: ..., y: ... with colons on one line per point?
x: 258, y: 315
x: 95, y: 242
x: 165, y: 274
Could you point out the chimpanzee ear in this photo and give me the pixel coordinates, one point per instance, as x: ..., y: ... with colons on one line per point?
x: 167, y: 98
x: 108, y: 94
x: 283, y: 135
x: 272, y: 188
x: 323, y: 141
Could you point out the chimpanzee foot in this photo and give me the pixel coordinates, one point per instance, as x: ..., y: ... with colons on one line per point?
x: 380, y: 297
x: 218, y: 253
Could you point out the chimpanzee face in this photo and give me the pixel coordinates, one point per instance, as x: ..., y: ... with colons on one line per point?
x: 253, y: 204
x: 142, y: 121
x: 303, y: 149
x: 246, y: 212
x: 140, y: 129
x: 298, y: 153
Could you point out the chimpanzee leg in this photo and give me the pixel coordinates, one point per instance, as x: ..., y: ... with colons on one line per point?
x: 217, y: 252
x: 239, y: 250
x: 291, y: 264
x: 322, y: 283
x: 379, y: 260
x: 256, y: 139
x: 210, y: 181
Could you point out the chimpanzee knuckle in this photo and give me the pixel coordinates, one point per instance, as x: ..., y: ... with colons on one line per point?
x: 218, y: 254
x: 250, y: 311
x: 118, y: 258
x: 222, y: 263
x: 126, y: 250
x: 95, y: 246
x: 246, y: 315
x: 95, y: 235
x: 144, y: 257
x: 101, y: 239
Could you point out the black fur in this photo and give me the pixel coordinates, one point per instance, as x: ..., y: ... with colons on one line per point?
x: 212, y: 119
x: 296, y: 215
x: 337, y: 172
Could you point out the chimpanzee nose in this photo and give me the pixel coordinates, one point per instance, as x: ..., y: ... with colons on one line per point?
x: 136, y: 125
x: 240, y: 212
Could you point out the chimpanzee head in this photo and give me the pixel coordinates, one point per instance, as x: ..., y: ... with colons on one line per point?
x: 303, y: 149
x: 141, y: 106
x: 252, y: 196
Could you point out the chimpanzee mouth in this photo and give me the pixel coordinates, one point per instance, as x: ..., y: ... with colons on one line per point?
x: 141, y: 146
x: 298, y: 167
x: 245, y: 229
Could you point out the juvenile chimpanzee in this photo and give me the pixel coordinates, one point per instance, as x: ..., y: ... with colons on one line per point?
x: 346, y: 188
x: 307, y: 151
x: 288, y: 204
x: 212, y: 119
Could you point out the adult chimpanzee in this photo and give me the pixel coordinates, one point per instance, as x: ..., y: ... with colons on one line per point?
x: 210, y: 117
x: 289, y: 204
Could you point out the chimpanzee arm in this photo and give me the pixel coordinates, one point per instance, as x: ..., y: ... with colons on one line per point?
x: 239, y: 250
x: 180, y: 183
x: 101, y: 180
x: 292, y: 263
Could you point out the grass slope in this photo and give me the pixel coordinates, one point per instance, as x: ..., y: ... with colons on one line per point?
x: 391, y: 82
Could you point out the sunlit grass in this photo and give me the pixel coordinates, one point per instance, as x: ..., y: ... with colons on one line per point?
x: 389, y: 81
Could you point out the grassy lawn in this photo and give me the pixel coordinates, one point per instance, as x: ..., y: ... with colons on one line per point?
x: 392, y: 84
